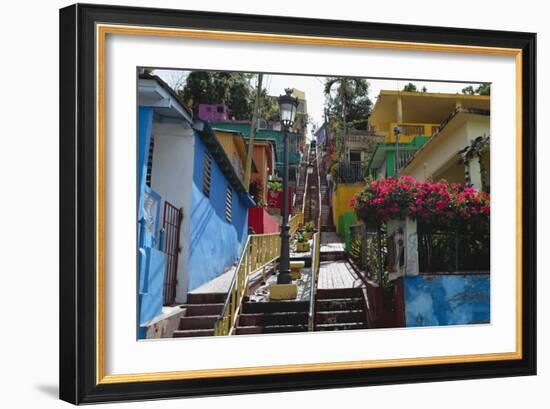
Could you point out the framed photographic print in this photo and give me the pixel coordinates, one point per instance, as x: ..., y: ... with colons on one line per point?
x: 257, y: 203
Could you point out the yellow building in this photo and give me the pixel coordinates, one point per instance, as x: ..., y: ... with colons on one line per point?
x: 418, y: 113
x: 418, y: 117
x: 434, y: 129
x: 445, y: 156
x: 235, y: 149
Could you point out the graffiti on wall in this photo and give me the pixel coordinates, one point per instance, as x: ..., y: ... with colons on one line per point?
x: 451, y: 299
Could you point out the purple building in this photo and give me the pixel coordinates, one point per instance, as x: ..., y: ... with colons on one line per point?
x: 213, y: 112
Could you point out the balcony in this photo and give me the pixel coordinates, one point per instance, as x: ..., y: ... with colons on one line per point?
x: 350, y: 172
x: 408, y: 131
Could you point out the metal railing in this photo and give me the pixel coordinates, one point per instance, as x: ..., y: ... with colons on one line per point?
x: 350, y: 172
x: 259, y: 251
x: 442, y: 251
x: 315, y: 263
x: 306, y: 180
x: 315, y: 256
x: 370, y: 250
x: 407, y: 131
x: 404, y: 158
x: 295, y: 222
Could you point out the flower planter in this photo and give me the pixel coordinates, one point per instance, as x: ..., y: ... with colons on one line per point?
x: 302, y: 247
x: 308, y: 234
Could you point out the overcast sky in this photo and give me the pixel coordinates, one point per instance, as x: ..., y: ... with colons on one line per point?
x: 314, y: 88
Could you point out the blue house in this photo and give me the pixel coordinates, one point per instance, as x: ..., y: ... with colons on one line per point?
x: 192, y: 207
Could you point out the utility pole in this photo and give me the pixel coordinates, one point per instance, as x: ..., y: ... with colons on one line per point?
x: 255, y: 115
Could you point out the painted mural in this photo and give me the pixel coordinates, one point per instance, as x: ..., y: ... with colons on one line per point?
x: 432, y: 300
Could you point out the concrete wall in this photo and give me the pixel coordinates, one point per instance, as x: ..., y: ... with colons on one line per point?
x: 342, y: 214
x: 214, y: 244
x: 261, y: 221
x: 171, y: 178
x: 436, y: 156
x: 432, y: 300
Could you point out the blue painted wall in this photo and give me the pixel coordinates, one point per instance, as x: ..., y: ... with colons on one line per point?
x: 214, y: 244
x: 432, y: 300
x: 151, y: 261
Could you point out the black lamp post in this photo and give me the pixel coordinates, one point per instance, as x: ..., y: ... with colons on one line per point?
x: 287, y: 113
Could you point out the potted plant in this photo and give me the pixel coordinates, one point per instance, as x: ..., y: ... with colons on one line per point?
x: 308, y: 233
x: 302, y: 244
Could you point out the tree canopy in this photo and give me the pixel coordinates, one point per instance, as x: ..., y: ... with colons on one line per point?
x: 230, y: 88
x: 410, y: 87
x: 483, y: 89
x: 349, y: 95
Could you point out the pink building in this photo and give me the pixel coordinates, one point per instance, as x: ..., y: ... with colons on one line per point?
x: 213, y: 112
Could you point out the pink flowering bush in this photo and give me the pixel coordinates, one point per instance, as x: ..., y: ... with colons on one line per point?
x: 433, y: 203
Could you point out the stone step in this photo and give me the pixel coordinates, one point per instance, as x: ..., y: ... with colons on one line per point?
x: 341, y: 327
x: 193, y: 333
x: 206, y: 298
x: 333, y: 255
x: 335, y: 293
x: 339, y: 317
x: 275, y: 329
x: 328, y: 228
x: 275, y: 306
x: 279, y: 318
x: 194, y: 310
x: 201, y: 322
x: 339, y: 304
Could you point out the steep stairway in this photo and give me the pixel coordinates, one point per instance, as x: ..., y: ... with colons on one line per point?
x: 273, y: 317
x: 202, y: 311
x: 340, y: 309
x: 300, y: 187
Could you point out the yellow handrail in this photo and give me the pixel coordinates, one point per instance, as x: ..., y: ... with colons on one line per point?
x: 315, y: 263
x: 295, y: 222
x: 306, y: 181
x: 259, y: 251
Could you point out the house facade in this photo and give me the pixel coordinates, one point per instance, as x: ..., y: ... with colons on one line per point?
x: 189, y: 191
x: 273, y: 136
x: 417, y: 116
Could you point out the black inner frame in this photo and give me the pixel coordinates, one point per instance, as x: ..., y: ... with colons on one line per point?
x: 78, y: 194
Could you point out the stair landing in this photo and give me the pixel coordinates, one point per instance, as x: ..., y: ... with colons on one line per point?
x: 337, y: 274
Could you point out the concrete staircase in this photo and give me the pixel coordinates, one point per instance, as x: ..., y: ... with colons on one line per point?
x: 300, y: 188
x: 273, y: 317
x: 340, y: 309
x: 202, y: 311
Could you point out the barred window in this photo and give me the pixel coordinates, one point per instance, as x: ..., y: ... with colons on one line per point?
x: 207, y: 175
x: 150, y: 161
x: 228, y: 204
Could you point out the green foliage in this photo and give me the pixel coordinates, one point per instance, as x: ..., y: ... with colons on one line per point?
x: 300, y: 238
x: 230, y: 88
x: 483, y: 89
x: 274, y: 185
x: 351, y: 98
x: 309, y: 226
x: 410, y: 87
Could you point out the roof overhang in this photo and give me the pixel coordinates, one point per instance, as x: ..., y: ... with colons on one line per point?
x: 152, y: 93
x: 453, y: 122
x: 422, y: 107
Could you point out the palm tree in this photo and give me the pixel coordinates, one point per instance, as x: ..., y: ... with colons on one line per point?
x: 346, y: 89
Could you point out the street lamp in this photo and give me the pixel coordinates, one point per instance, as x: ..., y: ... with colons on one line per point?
x: 287, y: 113
x: 396, y: 131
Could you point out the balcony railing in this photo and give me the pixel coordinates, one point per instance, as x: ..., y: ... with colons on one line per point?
x: 408, y: 131
x: 403, y: 158
x: 350, y: 172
